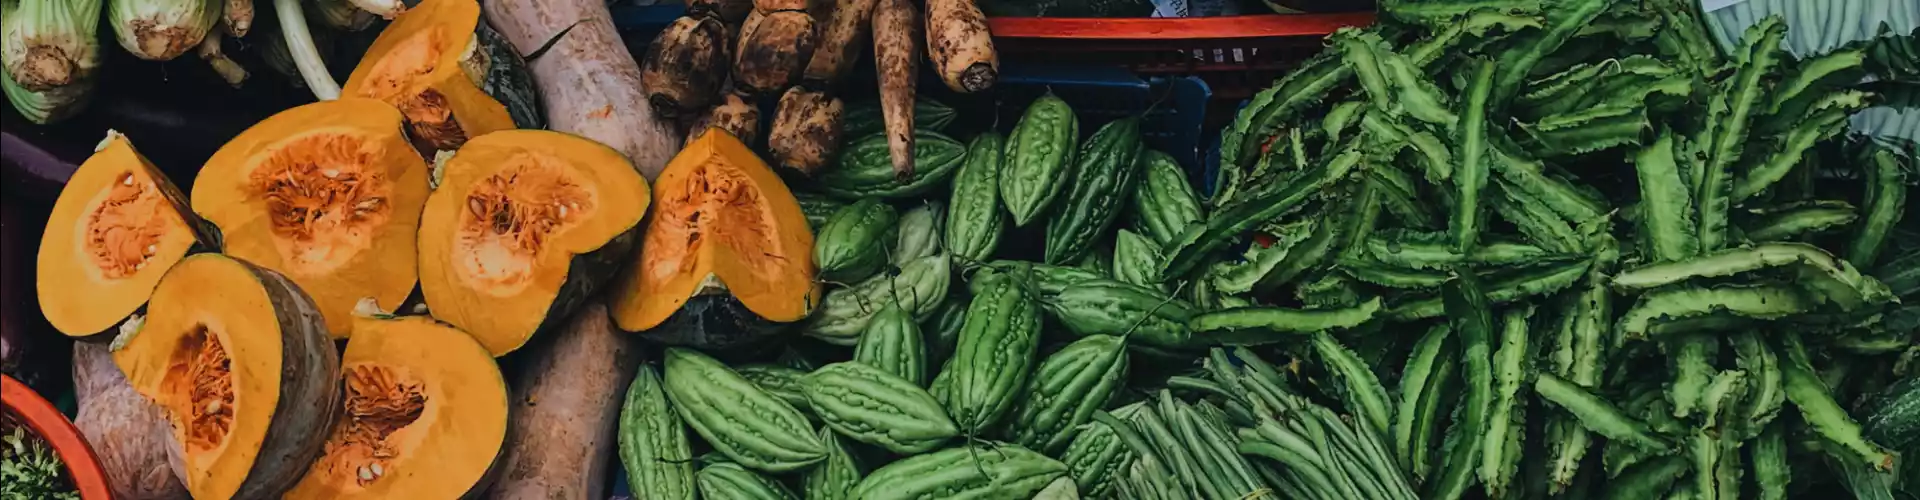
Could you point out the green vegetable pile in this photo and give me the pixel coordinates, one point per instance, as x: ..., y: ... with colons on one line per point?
x: 1487, y: 249
x: 28, y: 469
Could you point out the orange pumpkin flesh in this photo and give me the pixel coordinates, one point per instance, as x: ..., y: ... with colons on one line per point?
x: 117, y: 227
x: 435, y: 63
x: 424, y: 415
x: 727, y: 247
x: 239, y: 360
x: 327, y: 193
x: 524, y: 225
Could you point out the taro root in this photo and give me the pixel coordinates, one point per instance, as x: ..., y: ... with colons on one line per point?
x: 806, y: 130
x: 128, y: 432
x: 238, y: 358
x: 524, y: 227
x: 727, y: 256
x: 684, y: 65
x: 735, y: 115
x: 424, y: 415
x: 327, y: 193
x: 773, y: 51
x: 116, y: 228
x: 452, y: 76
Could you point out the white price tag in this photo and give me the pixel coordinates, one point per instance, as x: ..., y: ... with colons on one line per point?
x: 1713, y: 5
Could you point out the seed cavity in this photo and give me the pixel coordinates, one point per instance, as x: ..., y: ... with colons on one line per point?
x: 321, y: 221
x: 397, y: 79
x: 510, y: 218
x: 199, y: 381
x: 124, y: 230
x: 381, y: 400
x: 717, y: 202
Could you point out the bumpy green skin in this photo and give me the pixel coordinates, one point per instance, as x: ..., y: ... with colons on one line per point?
x: 780, y: 381
x: 864, y: 118
x: 879, y: 408
x: 893, y: 343
x: 1067, y: 388
x: 865, y: 168
x: 1048, y: 280
x: 1104, y: 173
x: 835, y: 477
x: 942, y: 329
x: 818, y: 207
x: 853, y: 244
x: 1108, y: 307
x: 653, y: 441
x: 741, y: 421
x: 974, y: 217
x: 919, y: 233
x: 1136, y: 259
x: 731, y: 481
x: 995, y: 352
x: 1822, y: 413
x: 920, y: 287
x: 1500, y: 443
x: 1163, y: 202
x: 1097, y: 459
x: 1895, y: 416
x: 1039, y: 159
x: 997, y: 471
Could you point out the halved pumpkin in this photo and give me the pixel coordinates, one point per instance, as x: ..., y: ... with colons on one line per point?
x: 424, y: 416
x: 238, y: 358
x: 118, y: 225
x: 727, y: 257
x: 524, y: 226
x: 451, y: 75
x: 327, y: 193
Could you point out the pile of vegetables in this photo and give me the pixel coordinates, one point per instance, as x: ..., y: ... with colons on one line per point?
x: 1515, y: 250
x: 28, y: 467
x: 1561, y: 249
x: 714, y: 64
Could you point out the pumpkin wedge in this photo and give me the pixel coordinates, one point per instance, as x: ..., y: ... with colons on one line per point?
x: 525, y: 224
x: 328, y: 194
x: 424, y: 415
x: 451, y: 75
x: 116, y: 228
x: 727, y: 257
x: 238, y: 358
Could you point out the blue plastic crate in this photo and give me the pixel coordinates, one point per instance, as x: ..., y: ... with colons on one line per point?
x: 1175, y: 108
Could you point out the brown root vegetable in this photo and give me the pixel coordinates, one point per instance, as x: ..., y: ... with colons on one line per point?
x: 237, y: 16
x: 589, y: 82
x: 734, y: 115
x: 773, y: 51
x: 565, y: 407
x: 727, y: 11
x: 684, y: 65
x: 960, y: 45
x: 772, y: 6
x: 806, y: 130
x: 839, y: 44
x: 896, y: 50
x: 128, y: 432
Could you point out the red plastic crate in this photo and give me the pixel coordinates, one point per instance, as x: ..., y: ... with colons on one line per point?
x: 1236, y: 55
